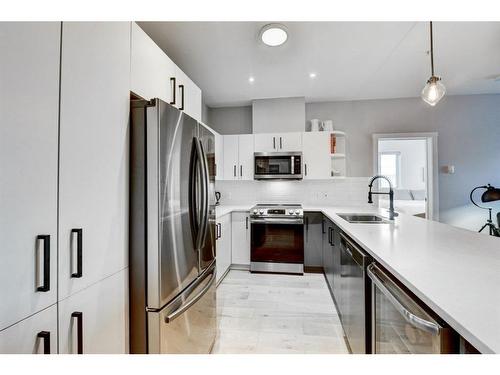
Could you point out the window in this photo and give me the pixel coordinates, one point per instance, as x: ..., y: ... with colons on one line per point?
x: 389, y: 166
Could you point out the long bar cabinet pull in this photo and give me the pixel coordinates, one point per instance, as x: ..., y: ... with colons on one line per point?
x: 45, y: 287
x: 45, y: 336
x: 78, y: 315
x: 78, y: 232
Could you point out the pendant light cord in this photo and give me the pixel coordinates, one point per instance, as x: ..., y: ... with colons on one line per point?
x: 432, y: 52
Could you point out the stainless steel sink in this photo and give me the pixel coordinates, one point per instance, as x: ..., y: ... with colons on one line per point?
x: 364, y: 218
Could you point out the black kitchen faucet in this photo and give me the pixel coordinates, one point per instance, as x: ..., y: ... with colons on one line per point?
x: 392, y: 214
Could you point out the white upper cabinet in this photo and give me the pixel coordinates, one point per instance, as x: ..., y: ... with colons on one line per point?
x: 98, y: 313
x: 240, y: 238
x: 245, y: 156
x: 316, y: 155
x: 230, y: 155
x: 94, y: 153
x: 219, y: 157
x: 188, y: 97
x: 36, y: 334
x: 29, y: 97
x: 278, y: 142
x: 154, y: 75
x: 152, y: 72
x: 238, y: 157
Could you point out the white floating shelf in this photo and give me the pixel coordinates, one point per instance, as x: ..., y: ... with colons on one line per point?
x: 337, y: 155
x: 338, y: 133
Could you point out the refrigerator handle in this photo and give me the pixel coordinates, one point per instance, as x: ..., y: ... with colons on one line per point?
x: 191, y: 302
x: 204, y: 193
x: 193, y: 207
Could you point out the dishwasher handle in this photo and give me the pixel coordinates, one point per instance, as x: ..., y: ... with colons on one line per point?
x: 417, y: 322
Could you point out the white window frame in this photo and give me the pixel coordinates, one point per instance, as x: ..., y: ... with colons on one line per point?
x: 398, y: 166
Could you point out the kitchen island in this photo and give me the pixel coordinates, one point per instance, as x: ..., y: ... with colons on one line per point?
x: 454, y: 271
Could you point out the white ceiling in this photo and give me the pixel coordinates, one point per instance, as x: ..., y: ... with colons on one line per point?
x: 352, y: 60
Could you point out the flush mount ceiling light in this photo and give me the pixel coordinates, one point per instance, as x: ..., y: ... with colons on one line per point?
x: 251, y: 79
x: 273, y: 35
x: 312, y: 75
x: 434, y: 90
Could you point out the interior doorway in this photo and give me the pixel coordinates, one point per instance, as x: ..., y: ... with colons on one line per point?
x: 409, y: 161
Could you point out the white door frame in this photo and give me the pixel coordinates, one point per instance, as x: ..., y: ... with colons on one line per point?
x: 432, y: 165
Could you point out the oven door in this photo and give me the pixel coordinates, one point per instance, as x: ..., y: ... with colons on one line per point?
x: 277, y: 245
x: 277, y: 165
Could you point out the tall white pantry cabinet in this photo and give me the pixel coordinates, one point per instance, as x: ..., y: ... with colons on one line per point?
x: 64, y: 104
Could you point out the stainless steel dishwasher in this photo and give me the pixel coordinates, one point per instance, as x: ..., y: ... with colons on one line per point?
x: 401, y: 324
x: 355, y: 296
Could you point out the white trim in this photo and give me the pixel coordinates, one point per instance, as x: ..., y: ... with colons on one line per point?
x: 432, y: 165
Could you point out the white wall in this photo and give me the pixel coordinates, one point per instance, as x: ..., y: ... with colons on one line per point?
x: 348, y: 192
x: 413, y: 160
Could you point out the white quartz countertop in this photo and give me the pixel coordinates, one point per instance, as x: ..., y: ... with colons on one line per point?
x: 222, y: 210
x: 456, y: 272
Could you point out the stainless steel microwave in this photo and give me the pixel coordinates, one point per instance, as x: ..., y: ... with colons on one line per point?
x: 278, y: 165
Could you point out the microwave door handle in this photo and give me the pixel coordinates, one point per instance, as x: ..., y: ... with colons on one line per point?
x: 415, y: 321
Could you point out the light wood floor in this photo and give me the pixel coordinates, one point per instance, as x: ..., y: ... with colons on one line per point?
x: 265, y: 313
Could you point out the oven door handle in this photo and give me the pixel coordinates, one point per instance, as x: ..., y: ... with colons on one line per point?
x: 415, y: 321
x: 276, y: 221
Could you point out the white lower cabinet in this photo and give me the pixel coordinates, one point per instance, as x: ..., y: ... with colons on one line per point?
x: 95, y: 319
x: 240, y: 238
x: 36, y: 334
x: 223, y: 245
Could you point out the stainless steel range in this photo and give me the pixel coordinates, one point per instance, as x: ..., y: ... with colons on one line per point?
x: 277, y: 238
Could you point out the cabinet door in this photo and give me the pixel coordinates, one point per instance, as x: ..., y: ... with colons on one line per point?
x: 34, y: 335
x: 230, y: 164
x: 316, y: 154
x: 337, y: 267
x: 29, y: 97
x: 224, y: 246
x: 289, y: 141
x: 245, y: 157
x: 219, y: 157
x: 94, y: 153
x: 99, y: 313
x: 240, y: 238
x: 151, y: 69
x: 266, y: 142
x: 188, y: 95
x: 313, y: 239
x: 328, y: 253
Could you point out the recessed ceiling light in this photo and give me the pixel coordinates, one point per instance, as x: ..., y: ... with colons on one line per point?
x: 273, y: 34
x: 251, y: 80
x: 312, y: 75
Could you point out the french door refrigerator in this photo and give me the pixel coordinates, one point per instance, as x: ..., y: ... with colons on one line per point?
x: 172, y: 231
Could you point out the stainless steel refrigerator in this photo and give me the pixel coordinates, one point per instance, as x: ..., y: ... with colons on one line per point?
x: 172, y: 231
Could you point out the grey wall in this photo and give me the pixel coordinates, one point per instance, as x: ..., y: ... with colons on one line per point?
x: 230, y: 120
x: 279, y: 115
x: 468, y: 127
x: 469, y: 138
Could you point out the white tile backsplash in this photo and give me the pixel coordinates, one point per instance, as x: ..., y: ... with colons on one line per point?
x: 351, y: 191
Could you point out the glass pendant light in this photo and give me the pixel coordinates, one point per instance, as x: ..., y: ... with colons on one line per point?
x: 434, y: 90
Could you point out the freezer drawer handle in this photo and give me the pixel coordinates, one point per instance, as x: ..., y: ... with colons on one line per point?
x: 46, y: 263
x: 45, y: 336
x: 411, y: 318
x: 78, y: 315
x: 78, y: 232
x: 186, y: 306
